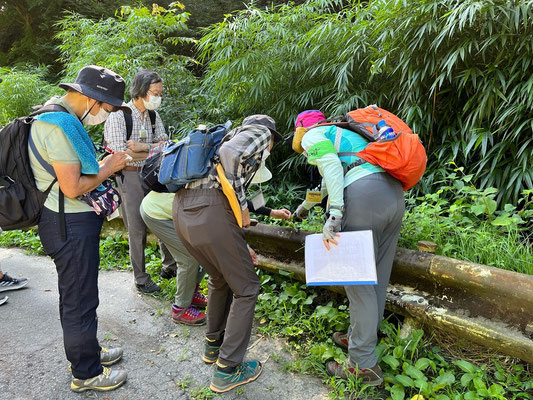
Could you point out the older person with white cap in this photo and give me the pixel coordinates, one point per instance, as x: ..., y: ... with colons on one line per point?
x: 208, y: 228
x: 69, y: 228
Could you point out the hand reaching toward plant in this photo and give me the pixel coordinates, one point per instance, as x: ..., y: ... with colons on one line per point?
x: 282, y: 213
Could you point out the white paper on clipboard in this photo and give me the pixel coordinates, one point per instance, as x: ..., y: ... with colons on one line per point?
x: 352, y: 262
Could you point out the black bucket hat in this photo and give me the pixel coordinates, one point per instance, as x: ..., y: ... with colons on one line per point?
x: 266, y: 121
x: 100, y: 84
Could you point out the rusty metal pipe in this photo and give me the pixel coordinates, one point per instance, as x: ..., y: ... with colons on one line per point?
x: 486, y: 305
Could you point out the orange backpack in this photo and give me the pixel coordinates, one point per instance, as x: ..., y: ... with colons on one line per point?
x: 403, y: 156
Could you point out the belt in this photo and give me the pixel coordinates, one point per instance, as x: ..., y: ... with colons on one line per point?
x: 128, y: 168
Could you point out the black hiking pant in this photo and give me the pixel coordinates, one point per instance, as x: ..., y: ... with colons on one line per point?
x: 77, y: 260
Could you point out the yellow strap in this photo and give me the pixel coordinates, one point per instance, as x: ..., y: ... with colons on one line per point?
x: 228, y: 190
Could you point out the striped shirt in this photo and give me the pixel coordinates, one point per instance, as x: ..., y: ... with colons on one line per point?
x: 115, y: 130
x: 240, y: 155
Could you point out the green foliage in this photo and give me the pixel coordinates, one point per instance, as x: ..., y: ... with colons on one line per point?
x: 27, y: 26
x: 24, y: 35
x: 114, y: 253
x: 20, y: 89
x: 28, y: 240
x: 307, y: 317
x: 466, y: 225
x: 136, y: 39
x: 459, y: 72
x: 412, y: 364
x: 280, y: 194
x: 201, y: 393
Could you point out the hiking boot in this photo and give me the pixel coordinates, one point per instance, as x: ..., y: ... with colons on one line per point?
x: 227, y: 378
x: 188, y: 316
x: 211, y: 350
x: 109, y: 379
x: 198, y: 299
x: 107, y: 356
x: 110, y: 356
x: 341, y: 340
x: 167, y: 273
x: 9, y: 283
x: 3, y: 299
x: 148, y: 287
x: 371, y: 376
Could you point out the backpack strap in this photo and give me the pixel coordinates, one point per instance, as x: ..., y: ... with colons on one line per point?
x: 49, y: 108
x: 129, y: 125
x: 48, y: 167
x: 152, y: 115
x: 353, y: 165
x: 338, y: 137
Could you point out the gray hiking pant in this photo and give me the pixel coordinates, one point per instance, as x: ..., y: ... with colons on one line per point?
x: 188, y: 272
x: 208, y: 229
x: 374, y: 203
x: 132, y: 195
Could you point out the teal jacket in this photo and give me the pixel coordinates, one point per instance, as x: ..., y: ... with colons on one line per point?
x: 319, y: 145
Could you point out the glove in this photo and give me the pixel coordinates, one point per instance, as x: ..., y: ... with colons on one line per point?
x: 331, y: 227
x: 301, y: 212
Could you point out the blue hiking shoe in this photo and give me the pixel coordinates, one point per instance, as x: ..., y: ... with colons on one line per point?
x: 227, y: 378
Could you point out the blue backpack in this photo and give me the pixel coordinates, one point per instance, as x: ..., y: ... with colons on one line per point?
x: 190, y: 159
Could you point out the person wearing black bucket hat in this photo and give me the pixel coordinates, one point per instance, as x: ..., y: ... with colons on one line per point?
x: 59, y: 140
x: 100, y: 84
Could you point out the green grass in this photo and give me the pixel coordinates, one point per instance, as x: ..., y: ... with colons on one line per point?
x: 465, y: 224
x: 481, y: 244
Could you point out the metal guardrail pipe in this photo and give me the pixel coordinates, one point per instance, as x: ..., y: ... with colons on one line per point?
x: 486, y: 305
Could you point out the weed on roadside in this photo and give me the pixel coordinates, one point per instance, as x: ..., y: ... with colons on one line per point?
x: 201, y: 393
x: 114, y: 253
x: 414, y: 365
x: 184, y: 383
x: 25, y: 239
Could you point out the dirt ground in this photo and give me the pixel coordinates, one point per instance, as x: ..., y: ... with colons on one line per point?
x: 162, y: 358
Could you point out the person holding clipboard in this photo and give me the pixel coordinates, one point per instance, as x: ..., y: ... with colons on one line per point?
x: 364, y: 198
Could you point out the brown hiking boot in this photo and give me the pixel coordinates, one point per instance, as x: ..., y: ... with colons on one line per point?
x: 371, y: 376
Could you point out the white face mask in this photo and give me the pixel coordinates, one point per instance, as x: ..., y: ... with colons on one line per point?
x: 153, y: 102
x: 262, y: 175
x: 97, y: 119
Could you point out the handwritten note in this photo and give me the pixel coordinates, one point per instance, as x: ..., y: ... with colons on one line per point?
x: 350, y: 263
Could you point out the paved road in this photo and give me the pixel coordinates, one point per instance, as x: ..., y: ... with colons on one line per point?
x: 162, y: 358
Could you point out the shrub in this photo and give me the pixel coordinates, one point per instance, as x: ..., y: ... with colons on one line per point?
x: 20, y: 89
x: 459, y: 72
x: 136, y: 39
